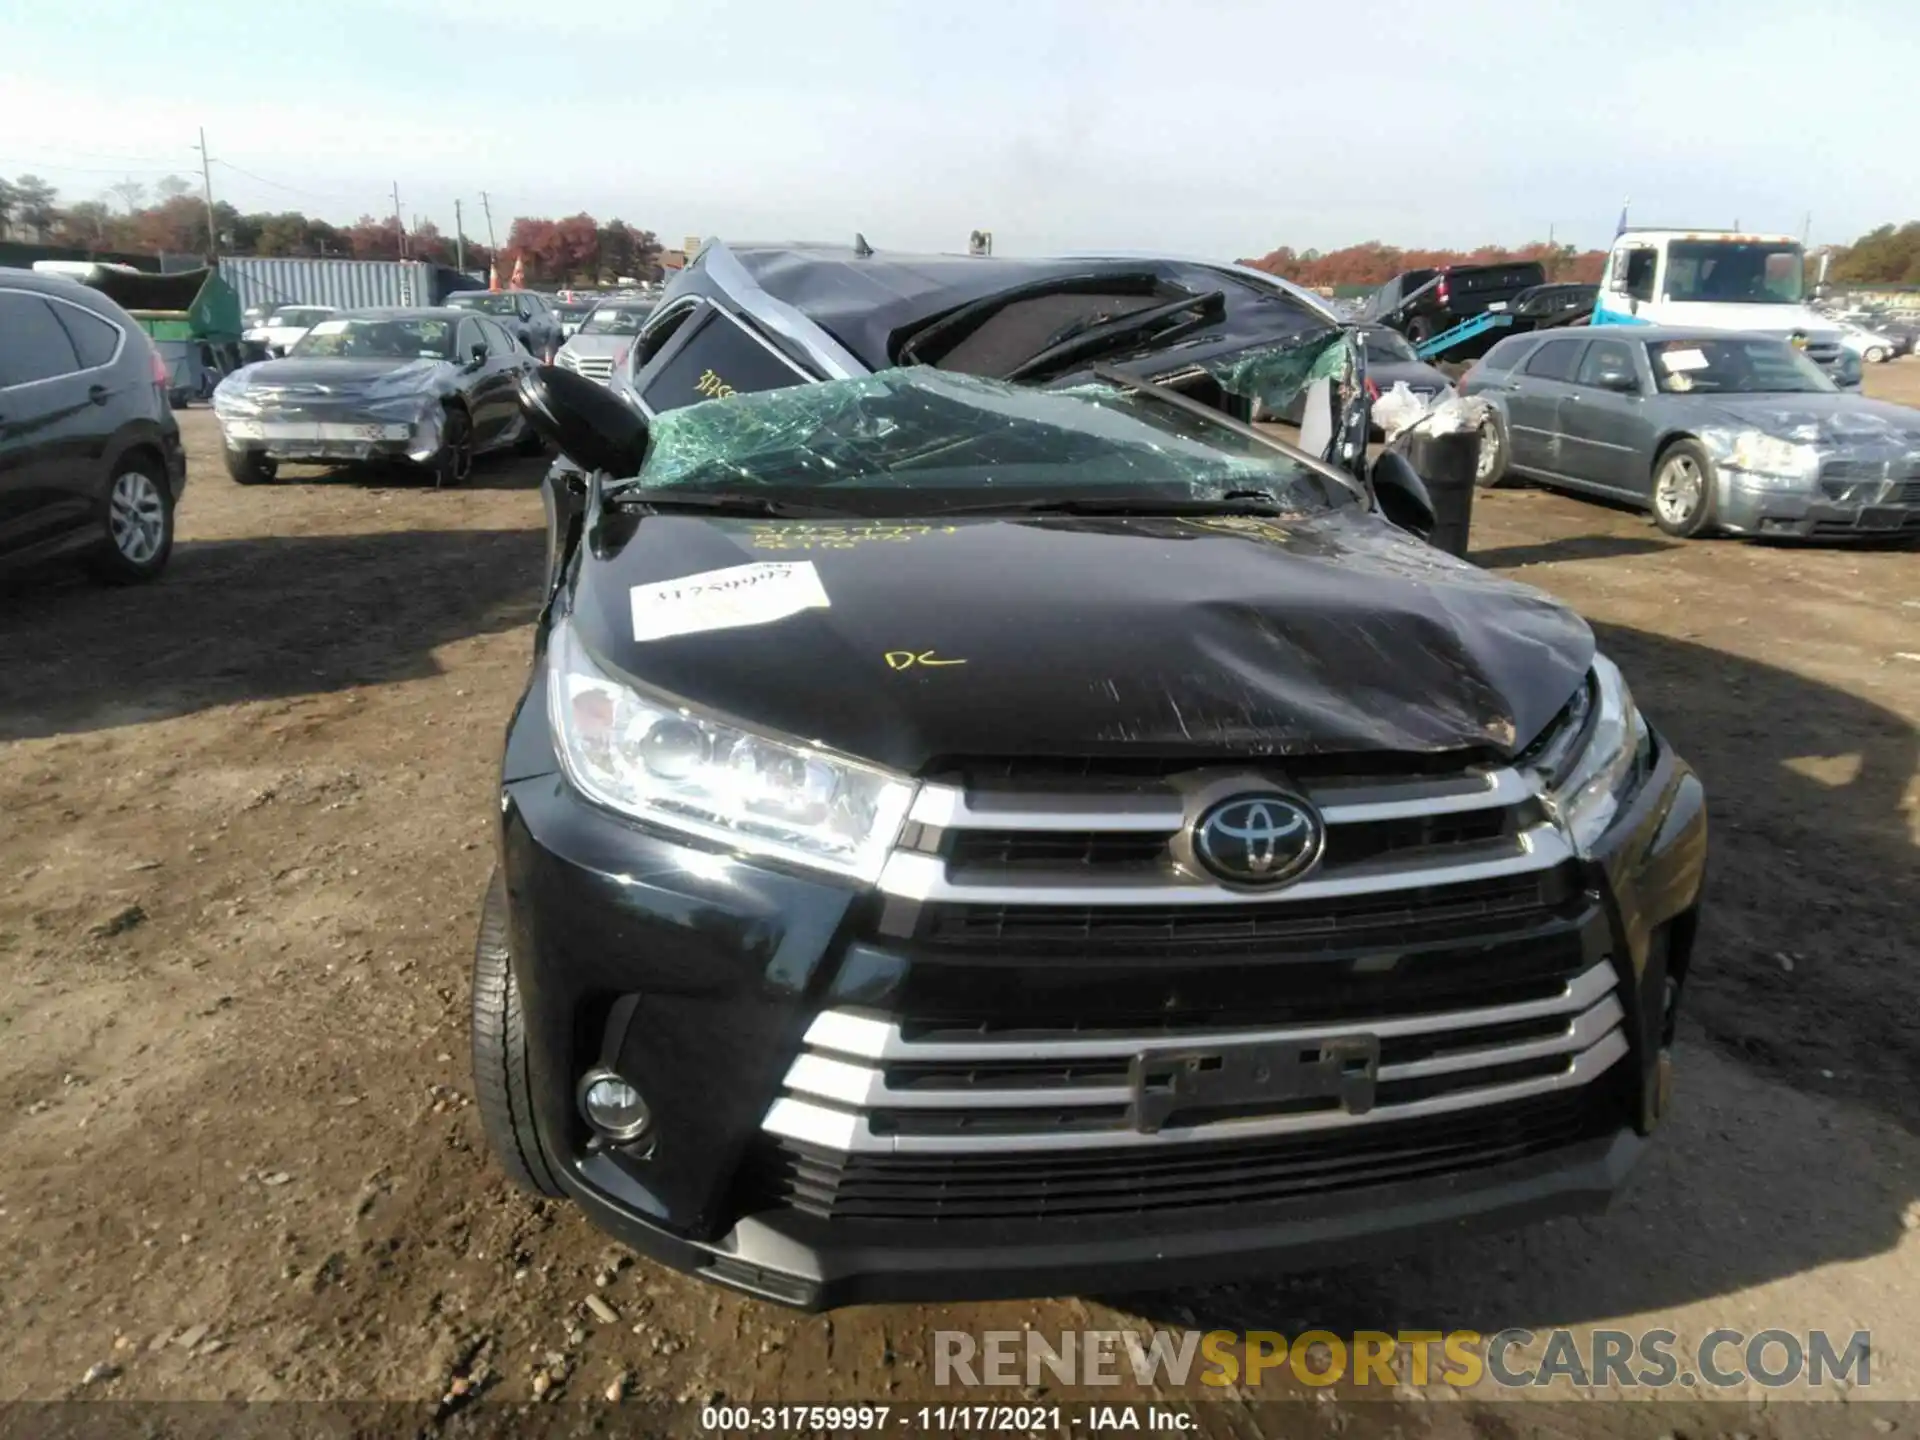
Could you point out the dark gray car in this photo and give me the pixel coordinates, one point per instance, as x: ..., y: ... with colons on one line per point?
x: 90, y: 457
x: 1710, y: 430
x: 528, y: 316
x: 434, y: 387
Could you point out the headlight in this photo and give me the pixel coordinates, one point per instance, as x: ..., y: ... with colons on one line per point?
x: 1596, y: 756
x: 1764, y: 454
x: 657, y: 760
x: 230, y: 397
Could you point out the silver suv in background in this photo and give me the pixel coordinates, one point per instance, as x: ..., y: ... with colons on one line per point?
x: 604, y: 337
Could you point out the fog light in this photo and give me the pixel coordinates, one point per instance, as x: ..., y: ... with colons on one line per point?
x: 613, y: 1107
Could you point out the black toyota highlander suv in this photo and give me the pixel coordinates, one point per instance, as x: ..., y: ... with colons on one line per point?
x: 988, y: 826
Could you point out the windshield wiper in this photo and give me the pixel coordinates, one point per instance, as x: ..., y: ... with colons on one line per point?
x: 1234, y: 502
x: 715, y: 502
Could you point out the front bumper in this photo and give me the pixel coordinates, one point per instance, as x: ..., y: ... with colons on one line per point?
x: 336, y: 435
x: 697, y: 976
x: 1870, y: 512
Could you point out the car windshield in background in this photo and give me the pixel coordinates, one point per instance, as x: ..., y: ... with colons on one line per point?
x: 616, y: 320
x: 410, y: 339
x: 295, y: 317
x: 487, y: 303
x: 1723, y: 271
x: 1384, y: 347
x: 921, y: 440
x: 1734, y: 367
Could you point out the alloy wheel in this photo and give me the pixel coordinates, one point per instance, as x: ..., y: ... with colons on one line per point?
x: 1678, y: 494
x: 137, y: 516
x: 1489, y: 452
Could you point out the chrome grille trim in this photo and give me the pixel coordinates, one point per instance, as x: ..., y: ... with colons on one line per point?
x: 909, y: 875
x: 864, y: 1037
x: 842, y: 1082
x: 951, y: 808
x: 848, y: 1131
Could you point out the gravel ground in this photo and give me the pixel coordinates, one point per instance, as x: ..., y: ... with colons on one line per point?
x: 247, y: 821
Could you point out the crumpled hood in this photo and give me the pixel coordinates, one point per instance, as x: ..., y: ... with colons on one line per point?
x: 343, y: 375
x: 1069, y: 636
x: 1830, y: 421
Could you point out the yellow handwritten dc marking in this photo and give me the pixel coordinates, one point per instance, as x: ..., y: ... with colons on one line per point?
x: 905, y: 659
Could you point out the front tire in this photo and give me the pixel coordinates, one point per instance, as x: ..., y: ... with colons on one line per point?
x: 501, y: 1087
x: 454, y: 462
x: 1419, y: 330
x: 1490, y: 466
x: 1683, y: 489
x: 1875, y: 355
x: 139, y: 534
x: 250, y: 467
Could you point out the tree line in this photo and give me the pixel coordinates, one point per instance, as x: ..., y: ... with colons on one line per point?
x: 169, y: 218
x: 1886, y: 256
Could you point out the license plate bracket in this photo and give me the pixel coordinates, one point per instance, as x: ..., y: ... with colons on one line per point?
x: 1228, y: 1077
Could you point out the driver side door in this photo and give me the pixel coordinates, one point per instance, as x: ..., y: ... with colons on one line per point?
x: 481, y: 383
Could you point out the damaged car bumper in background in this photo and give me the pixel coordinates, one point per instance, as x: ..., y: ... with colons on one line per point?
x: 1792, y: 480
x: 404, y: 429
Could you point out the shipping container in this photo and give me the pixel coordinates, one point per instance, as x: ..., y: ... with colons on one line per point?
x: 344, y: 284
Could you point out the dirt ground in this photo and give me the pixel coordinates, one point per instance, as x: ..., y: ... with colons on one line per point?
x: 247, y: 820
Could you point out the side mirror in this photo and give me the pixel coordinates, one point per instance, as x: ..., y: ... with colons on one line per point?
x: 477, y: 356
x: 1620, y: 383
x: 585, y: 422
x: 1401, y: 494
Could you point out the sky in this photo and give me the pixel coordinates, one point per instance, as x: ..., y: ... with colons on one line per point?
x: 1204, y: 127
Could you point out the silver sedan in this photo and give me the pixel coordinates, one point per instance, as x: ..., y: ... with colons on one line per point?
x: 1709, y: 430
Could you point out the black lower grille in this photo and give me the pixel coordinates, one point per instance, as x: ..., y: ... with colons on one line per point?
x: 1148, y: 1179
x: 1385, y: 918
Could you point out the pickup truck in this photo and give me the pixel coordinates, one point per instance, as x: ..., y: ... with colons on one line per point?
x: 1422, y: 303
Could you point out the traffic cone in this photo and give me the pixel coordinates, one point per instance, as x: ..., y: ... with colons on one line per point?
x: 493, y: 275
x: 519, y: 273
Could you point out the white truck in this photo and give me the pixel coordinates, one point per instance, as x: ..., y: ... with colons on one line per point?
x: 1720, y: 280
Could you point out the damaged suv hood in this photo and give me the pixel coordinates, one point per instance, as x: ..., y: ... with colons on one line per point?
x: 911, y: 641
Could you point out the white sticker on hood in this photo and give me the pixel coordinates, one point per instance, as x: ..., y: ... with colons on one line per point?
x: 723, y: 599
x: 1684, y: 359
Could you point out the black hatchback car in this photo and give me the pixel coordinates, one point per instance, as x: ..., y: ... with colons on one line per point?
x: 969, y: 837
x: 90, y: 459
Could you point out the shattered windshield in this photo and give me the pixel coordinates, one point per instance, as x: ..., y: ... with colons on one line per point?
x: 953, y: 439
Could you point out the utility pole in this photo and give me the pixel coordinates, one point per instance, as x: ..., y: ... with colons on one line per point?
x: 396, y: 220
x: 1806, y: 230
x: 206, y: 179
x: 489, y: 209
x: 459, y: 239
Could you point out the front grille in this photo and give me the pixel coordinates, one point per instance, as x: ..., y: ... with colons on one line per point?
x: 598, y: 368
x: 1385, y: 920
x: 1070, y: 985
x: 1003, y: 1187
